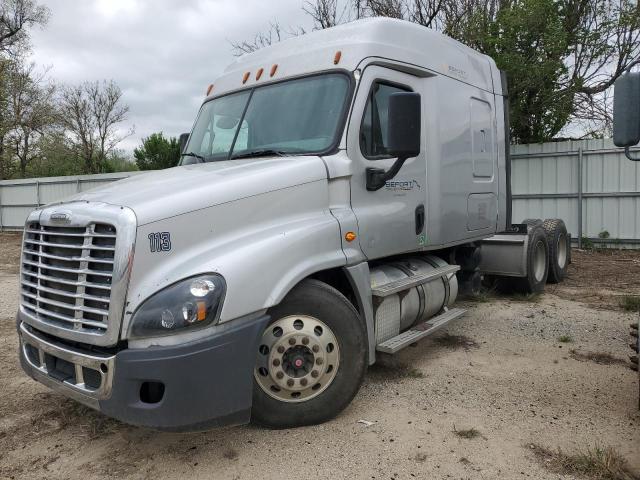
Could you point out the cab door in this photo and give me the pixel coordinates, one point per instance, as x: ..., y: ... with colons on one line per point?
x: 390, y: 220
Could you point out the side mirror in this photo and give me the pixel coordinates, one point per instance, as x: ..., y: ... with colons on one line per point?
x: 183, y: 139
x: 403, y: 136
x: 626, y: 112
x: 403, y: 119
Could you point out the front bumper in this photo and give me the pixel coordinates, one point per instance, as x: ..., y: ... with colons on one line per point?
x: 191, y: 386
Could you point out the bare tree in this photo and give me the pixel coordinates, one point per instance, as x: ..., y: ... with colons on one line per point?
x: 91, y: 113
x: 260, y: 40
x: 32, y: 112
x: 15, y: 17
x: 323, y: 12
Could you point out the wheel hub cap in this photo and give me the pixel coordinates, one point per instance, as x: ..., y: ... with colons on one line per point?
x: 298, y: 358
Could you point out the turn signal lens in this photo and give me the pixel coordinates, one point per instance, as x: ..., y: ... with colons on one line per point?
x: 202, y: 311
x: 349, y: 236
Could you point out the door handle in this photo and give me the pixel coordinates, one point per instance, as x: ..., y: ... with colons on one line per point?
x: 419, y: 219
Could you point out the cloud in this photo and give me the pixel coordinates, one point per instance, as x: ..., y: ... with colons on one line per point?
x: 162, y: 53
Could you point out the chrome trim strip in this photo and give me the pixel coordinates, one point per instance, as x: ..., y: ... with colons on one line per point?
x: 103, y: 364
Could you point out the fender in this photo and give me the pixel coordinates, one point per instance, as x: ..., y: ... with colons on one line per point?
x: 360, y: 281
x: 262, y: 245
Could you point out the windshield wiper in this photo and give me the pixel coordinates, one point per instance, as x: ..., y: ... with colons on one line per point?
x: 195, y: 155
x: 266, y: 152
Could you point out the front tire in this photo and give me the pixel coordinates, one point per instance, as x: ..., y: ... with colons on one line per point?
x: 311, y: 360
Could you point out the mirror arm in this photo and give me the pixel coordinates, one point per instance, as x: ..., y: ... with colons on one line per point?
x: 377, y: 177
x: 627, y: 152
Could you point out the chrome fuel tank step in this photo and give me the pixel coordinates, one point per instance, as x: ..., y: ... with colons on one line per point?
x: 409, y: 291
x: 418, y: 332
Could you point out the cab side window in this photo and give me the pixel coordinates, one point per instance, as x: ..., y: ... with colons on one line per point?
x: 374, y: 128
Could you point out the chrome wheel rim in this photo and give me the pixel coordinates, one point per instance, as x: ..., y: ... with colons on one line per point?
x: 539, y: 261
x: 298, y: 358
x: 562, y: 250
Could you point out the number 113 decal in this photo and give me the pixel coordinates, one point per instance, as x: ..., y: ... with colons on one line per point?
x: 160, y: 242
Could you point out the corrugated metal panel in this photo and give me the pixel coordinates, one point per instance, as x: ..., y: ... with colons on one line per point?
x: 546, y: 184
x: 19, y: 197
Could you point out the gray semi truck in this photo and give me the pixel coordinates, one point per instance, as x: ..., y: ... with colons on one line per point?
x: 626, y: 134
x: 335, y: 194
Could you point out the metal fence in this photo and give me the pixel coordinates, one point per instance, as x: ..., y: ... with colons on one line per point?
x: 590, y: 184
x: 19, y: 197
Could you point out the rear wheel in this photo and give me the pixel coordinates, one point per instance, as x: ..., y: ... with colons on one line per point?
x: 559, y: 249
x: 537, y: 262
x: 311, y: 360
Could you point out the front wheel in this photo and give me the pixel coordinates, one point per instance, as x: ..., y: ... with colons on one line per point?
x: 311, y: 359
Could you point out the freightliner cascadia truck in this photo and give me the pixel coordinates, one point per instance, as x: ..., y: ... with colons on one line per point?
x: 336, y: 192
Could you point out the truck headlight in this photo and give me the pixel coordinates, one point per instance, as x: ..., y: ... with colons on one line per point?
x: 187, y: 304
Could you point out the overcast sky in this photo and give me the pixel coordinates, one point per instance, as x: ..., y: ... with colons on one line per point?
x: 162, y: 53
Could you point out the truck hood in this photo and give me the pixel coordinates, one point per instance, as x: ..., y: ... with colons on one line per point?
x: 165, y: 193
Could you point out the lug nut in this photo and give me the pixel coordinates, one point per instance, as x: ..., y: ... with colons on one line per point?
x: 315, y: 348
x: 303, y: 382
x: 276, y: 362
x: 292, y: 341
x: 280, y: 375
x: 305, y: 341
x: 290, y: 382
x: 280, y: 349
x: 314, y: 374
x: 319, y: 360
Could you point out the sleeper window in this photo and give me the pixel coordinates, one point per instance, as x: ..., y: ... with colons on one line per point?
x: 374, y: 128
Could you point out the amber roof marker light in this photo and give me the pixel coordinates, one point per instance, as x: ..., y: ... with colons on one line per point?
x: 337, y: 57
x: 259, y: 73
x: 245, y: 77
x: 273, y: 70
x: 209, y: 89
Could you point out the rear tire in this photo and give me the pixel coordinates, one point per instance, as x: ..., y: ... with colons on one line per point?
x: 559, y: 249
x: 531, y: 222
x: 537, y: 262
x: 286, y: 378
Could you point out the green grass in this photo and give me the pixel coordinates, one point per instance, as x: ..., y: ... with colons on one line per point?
x: 526, y: 297
x: 596, y: 463
x: 565, y: 339
x: 630, y: 303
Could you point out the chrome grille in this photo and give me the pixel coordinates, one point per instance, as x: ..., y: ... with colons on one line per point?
x: 67, y: 275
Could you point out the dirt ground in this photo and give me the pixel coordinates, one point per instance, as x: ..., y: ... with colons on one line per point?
x: 502, y: 370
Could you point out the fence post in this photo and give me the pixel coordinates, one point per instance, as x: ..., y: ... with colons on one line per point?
x: 580, y: 197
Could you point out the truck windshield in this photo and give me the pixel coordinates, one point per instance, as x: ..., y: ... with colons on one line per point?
x: 300, y: 116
